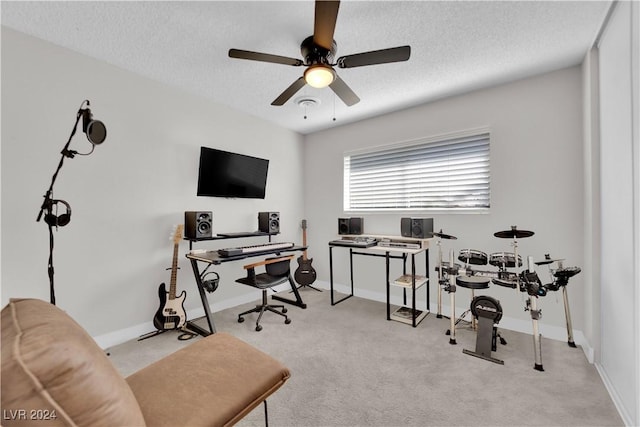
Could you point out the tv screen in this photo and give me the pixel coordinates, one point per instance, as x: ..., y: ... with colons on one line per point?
x: 226, y: 174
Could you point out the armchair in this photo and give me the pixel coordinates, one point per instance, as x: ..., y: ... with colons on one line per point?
x: 55, y: 373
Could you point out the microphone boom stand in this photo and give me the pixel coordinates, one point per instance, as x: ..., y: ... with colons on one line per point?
x: 47, y: 204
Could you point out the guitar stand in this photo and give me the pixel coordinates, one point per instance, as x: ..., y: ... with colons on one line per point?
x: 307, y: 286
x: 152, y: 334
x: 187, y: 334
x: 488, y: 312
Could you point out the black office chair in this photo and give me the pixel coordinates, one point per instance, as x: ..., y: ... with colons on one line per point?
x: 277, y: 272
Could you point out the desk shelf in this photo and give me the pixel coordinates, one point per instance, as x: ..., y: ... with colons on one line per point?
x: 226, y: 236
x: 406, y: 281
x: 406, y: 314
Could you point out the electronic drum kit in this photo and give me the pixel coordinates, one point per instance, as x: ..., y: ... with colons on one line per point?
x: 486, y: 311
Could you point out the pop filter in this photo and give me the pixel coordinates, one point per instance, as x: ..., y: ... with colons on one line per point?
x: 94, y: 129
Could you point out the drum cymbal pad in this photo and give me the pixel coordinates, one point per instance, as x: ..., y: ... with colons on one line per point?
x: 514, y: 233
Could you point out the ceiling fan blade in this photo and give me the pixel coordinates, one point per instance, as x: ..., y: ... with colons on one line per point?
x: 344, y: 92
x: 264, y: 57
x: 289, y: 92
x: 383, y: 56
x: 324, y: 25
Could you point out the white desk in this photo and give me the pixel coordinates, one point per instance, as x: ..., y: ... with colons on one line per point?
x: 388, y: 253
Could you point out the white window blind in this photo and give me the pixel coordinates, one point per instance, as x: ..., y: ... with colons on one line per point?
x: 446, y: 174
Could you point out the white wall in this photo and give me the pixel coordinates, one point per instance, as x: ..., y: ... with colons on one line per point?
x: 619, y: 162
x: 128, y: 194
x: 592, y: 243
x: 536, y: 184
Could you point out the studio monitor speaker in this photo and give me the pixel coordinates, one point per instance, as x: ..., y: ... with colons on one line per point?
x: 356, y: 225
x: 421, y: 228
x: 418, y: 228
x: 405, y: 227
x: 198, y: 224
x: 350, y: 225
x: 343, y: 225
x: 269, y: 222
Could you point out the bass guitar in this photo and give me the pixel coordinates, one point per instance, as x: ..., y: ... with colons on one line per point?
x: 171, y: 314
x: 305, y: 275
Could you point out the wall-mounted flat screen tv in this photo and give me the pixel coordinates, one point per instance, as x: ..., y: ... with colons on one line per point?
x: 226, y: 174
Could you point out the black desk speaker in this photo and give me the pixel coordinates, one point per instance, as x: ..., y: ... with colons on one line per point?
x: 356, y: 225
x: 343, y: 225
x: 269, y: 222
x: 198, y: 224
x: 405, y: 227
x: 418, y: 228
x: 351, y: 225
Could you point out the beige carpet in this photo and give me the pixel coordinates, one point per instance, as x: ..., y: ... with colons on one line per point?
x: 352, y: 367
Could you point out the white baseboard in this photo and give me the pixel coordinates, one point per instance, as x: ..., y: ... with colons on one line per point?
x: 615, y: 397
x: 118, y: 337
x: 123, y: 335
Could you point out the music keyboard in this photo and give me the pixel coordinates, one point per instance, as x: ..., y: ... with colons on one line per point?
x: 244, y: 250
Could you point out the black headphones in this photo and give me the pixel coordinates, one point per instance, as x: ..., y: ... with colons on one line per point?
x: 212, y: 284
x: 56, y: 220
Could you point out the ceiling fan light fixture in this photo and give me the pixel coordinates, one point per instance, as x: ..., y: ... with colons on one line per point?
x: 319, y: 76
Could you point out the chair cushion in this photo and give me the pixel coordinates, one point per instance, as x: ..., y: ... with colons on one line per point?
x: 216, y: 381
x: 52, y: 367
x: 262, y: 281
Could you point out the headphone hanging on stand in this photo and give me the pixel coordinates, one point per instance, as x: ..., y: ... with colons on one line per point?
x: 212, y: 284
x: 55, y: 220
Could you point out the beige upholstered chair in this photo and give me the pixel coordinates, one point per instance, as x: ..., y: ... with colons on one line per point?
x: 54, y: 374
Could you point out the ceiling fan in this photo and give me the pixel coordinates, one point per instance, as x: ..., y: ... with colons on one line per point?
x: 319, y: 51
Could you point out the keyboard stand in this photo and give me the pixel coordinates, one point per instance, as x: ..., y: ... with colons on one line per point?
x: 213, y: 258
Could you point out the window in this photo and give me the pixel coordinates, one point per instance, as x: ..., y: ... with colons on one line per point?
x: 445, y: 173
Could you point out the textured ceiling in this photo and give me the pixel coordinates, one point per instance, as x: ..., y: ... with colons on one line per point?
x: 457, y: 46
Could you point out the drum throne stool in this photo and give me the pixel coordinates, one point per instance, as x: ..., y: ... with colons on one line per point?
x: 473, y: 283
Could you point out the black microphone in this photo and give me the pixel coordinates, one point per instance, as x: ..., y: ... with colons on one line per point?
x: 86, y: 119
x: 94, y: 129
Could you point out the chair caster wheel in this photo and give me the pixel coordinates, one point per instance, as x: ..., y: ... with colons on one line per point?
x: 258, y: 328
x: 503, y: 341
x: 284, y: 310
x: 240, y: 319
x: 287, y: 321
x: 448, y: 332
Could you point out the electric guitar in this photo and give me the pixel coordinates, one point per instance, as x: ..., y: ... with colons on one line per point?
x: 305, y: 274
x: 171, y: 314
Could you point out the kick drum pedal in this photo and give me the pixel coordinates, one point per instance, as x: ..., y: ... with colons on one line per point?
x: 488, y: 311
